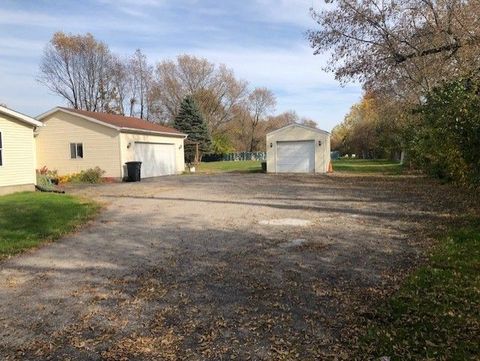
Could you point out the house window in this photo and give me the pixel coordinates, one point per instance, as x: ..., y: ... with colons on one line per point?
x: 1, y: 150
x: 76, y: 150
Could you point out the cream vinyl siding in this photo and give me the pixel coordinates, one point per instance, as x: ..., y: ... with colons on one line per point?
x: 101, y: 145
x: 127, y: 146
x: 18, y: 153
x: 297, y: 133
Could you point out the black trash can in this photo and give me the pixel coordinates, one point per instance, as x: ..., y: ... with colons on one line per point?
x: 133, y: 170
x: 264, y: 167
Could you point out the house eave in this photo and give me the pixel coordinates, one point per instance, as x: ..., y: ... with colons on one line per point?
x: 21, y: 117
x: 146, y: 131
x: 299, y: 126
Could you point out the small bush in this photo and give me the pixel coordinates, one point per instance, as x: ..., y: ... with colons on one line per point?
x: 91, y: 175
x: 43, y: 181
x: 47, y: 178
x: 51, y: 175
x: 66, y: 178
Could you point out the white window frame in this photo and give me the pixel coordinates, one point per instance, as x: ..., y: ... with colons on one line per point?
x: 76, y: 151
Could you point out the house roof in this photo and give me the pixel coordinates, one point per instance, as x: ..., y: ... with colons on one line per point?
x: 119, y: 122
x: 299, y: 126
x: 19, y: 116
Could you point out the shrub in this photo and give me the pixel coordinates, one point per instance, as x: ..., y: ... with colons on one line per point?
x: 446, y: 143
x: 50, y: 174
x: 43, y: 170
x: 43, y: 181
x: 47, y: 178
x: 91, y: 175
x: 66, y: 178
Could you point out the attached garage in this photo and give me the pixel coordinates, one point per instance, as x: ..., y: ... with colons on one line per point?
x: 298, y: 149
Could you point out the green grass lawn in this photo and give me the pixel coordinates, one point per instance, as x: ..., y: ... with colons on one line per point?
x: 436, y: 314
x: 247, y: 166
x: 367, y: 166
x: 342, y: 165
x: 28, y: 219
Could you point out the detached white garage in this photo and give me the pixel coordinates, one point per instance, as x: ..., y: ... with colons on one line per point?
x: 298, y: 149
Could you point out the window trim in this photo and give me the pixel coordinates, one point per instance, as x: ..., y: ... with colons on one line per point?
x: 75, y: 149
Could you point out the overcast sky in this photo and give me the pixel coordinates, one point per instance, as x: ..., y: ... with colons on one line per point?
x: 263, y: 41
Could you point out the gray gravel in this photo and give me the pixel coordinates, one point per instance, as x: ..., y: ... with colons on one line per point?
x: 182, y: 268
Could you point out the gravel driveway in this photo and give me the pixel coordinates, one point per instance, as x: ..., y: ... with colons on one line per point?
x: 229, y: 266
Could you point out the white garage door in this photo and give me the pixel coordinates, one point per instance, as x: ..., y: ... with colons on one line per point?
x: 157, y: 159
x: 296, y: 157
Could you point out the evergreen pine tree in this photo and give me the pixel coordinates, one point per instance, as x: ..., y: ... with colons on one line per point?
x: 190, y: 121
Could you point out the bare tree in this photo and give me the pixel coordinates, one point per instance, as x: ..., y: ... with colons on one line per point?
x: 406, y: 47
x: 281, y: 120
x: 120, y: 82
x: 77, y: 67
x: 271, y: 123
x: 308, y: 122
x: 215, y: 89
x: 238, y: 130
x: 261, y: 102
x: 140, y: 75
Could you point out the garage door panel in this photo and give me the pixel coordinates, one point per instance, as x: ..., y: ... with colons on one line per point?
x: 157, y: 158
x: 296, y: 157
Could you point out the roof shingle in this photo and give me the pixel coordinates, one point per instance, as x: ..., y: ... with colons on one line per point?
x: 122, y: 121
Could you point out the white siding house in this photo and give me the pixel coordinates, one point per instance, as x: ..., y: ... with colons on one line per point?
x: 17, y: 151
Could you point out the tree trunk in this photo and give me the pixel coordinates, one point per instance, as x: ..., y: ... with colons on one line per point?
x: 197, y: 154
x: 132, y: 104
x: 402, y: 156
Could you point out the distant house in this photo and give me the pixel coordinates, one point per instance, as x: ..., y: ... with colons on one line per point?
x: 17, y: 151
x: 297, y: 148
x: 73, y: 140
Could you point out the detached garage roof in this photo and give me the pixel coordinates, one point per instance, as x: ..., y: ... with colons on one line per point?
x: 19, y: 116
x: 119, y: 122
x: 294, y: 125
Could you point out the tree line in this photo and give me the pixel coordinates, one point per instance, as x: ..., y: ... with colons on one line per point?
x: 89, y: 76
x: 419, y: 64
